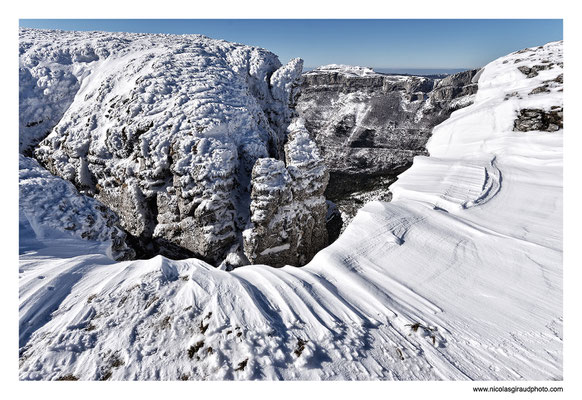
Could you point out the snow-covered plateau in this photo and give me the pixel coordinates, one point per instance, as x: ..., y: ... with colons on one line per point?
x: 458, y: 277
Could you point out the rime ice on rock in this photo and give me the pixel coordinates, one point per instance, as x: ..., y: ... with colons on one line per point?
x: 52, y: 207
x: 288, y: 209
x: 163, y: 129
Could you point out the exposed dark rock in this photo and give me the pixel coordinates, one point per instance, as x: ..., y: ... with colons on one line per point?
x: 540, y: 89
x: 559, y: 79
x: 369, y: 126
x: 534, y: 119
x: 533, y: 71
x: 512, y: 94
x: 333, y: 222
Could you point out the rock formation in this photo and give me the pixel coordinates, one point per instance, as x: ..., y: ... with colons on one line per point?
x: 534, y: 119
x: 52, y: 207
x: 286, y: 196
x: 369, y: 126
x: 165, y: 131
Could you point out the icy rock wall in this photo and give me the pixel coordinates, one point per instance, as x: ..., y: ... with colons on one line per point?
x: 369, y: 126
x: 288, y: 208
x: 162, y: 129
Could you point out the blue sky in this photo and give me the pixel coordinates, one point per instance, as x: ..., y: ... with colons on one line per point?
x: 378, y: 43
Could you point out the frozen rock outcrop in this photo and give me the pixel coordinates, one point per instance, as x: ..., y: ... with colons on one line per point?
x: 534, y: 119
x: 52, y: 207
x: 288, y: 208
x: 162, y: 129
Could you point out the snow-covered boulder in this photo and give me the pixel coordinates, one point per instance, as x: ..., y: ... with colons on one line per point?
x: 162, y: 129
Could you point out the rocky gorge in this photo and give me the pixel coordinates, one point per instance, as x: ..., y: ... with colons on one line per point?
x: 184, y: 138
x: 369, y: 126
x: 196, y: 147
x: 458, y: 277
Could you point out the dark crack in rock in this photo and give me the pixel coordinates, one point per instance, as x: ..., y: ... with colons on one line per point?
x: 333, y: 221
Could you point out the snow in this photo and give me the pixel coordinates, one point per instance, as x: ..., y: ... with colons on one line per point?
x: 276, y: 249
x: 346, y: 69
x: 459, y: 277
x: 51, y: 207
x: 128, y: 117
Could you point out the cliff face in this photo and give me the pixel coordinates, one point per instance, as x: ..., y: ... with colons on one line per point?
x: 164, y: 130
x: 369, y: 126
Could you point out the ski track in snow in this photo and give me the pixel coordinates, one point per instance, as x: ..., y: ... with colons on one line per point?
x: 459, y: 277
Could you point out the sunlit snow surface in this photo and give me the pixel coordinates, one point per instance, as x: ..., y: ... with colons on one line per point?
x: 459, y: 277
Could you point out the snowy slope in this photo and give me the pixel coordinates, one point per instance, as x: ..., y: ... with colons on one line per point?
x: 459, y: 277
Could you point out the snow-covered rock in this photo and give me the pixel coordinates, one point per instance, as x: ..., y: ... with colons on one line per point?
x: 51, y: 207
x: 288, y: 209
x: 162, y: 129
x: 346, y: 69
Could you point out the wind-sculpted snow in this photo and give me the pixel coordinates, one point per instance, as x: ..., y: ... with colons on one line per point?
x: 459, y: 277
x: 163, y: 129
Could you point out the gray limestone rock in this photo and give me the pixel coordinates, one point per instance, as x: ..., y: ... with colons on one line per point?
x: 534, y: 119
x: 369, y: 126
x: 288, y: 209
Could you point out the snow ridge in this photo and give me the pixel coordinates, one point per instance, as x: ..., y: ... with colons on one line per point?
x: 51, y: 207
x: 346, y: 69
